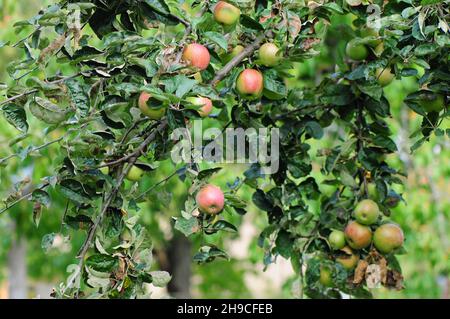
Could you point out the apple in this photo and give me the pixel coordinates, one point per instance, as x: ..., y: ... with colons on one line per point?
x: 135, y: 174
x: 366, y: 212
x: 210, y: 199
x: 358, y: 236
x: 268, y: 54
x: 388, y: 237
x: 197, y: 56
x: 373, y: 192
x: 249, y: 83
x: 235, y: 51
x: 369, y: 32
x: 384, y: 76
x: 326, y: 276
x: 204, y: 102
x: 350, y: 261
x: 226, y: 13
x: 432, y: 102
x: 150, y: 107
x: 337, y: 239
x: 104, y: 169
x: 355, y: 51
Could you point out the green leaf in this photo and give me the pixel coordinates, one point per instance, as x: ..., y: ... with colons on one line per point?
x: 160, y: 278
x: 41, y: 196
x: 187, y: 226
x: 103, y: 263
x: 284, y: 244
x: 47, y: 241
x: 47, y: 112
x: 225, y: 226
x: 314, y: 129
x: 16, y: 116
x: 250, y: 23
x: 79, y: 97
x: 217, y: 38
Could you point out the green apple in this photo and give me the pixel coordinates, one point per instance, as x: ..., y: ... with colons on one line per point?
x: 349, y: 260
x: 356, y: 51
x: 135, y: 174
x: 369, y: 32
x: 152, y: 112
x: 326, y: 276
x: 268, y: 54
x: 366, y: 212
x: 388, y: 237
x: 384, y: 76
x: 432, y: 102
x: 337, y: 239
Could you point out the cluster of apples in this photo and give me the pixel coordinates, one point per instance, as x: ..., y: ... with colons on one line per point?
x: 358, y: 50
x: 358, y: 234
x: 249, y: 83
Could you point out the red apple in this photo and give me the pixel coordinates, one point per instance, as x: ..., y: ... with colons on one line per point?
x: 150, y: 107
x: 210, y: 199
x: 250, y: 84
x: 226, y: 13
x: 388, y: 237
x: 197, y: 56
x: 358, y: 236
x: 204, y: 102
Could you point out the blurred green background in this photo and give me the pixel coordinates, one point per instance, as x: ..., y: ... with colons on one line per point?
x: 424, y: 219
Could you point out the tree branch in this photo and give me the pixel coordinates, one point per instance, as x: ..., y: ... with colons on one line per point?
x: 17, y: 201
x: 110, y: 197
x: 241, y: 56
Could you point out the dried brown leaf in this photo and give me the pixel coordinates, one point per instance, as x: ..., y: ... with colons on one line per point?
x: 360, y: 272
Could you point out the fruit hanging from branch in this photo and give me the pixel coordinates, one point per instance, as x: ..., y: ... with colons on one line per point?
x: 151, y: 107
x: 250, y: 84
x: 196, y: 56
x: 226, y: 13
x: 358, y: 236
x: 366, y: 212
x: 388, y: 237
x: 269, y: 54
x: 210, y: 199
x: 205, y: 105
x: 355, y: 50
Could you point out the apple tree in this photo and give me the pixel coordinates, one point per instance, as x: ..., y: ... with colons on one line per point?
x: 118, y: 77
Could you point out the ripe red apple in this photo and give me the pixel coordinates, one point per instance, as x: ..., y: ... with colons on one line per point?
x: 197, y: 56
x: 384, y: 76
x: 358, y: 236
x: 226, y: 13
x: 326, y: 276
x: 250, y: 84
x: 152, y: 108
x: 210, y: 199
x: 204, y: 102
x: 350, y: 260
x: 432, y: 102
x: 366, y: 212
x: 388, y: 237
x: 135, y: 174
x: 337, y: 239
x: 355, y: 51
x: 268, y: 54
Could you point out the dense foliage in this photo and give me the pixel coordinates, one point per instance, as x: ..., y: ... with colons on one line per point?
x: 119, y: 49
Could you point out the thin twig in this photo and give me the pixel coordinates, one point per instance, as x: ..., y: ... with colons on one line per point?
x: 115, y: 190
x: 22, y: 198
x: 156, y: 185
x: 2, y: 160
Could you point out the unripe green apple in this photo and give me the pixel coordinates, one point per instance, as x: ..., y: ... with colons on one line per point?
x: 358, y: 236
x: 384, y: 76
x: 326, y: 276
x: 432, y: 102
x: 388, y: 237
x: 155, y: 110
x: 135, y: 174
x: 337, y: 239
x: 197, y: 56
x: 268, y: 54
x: 379, y: 49
x: 373, y: 192
x: 235, y: 51
x: 366, y: 212
x: 355, y: 51
x: 250, y: 84
x: 204, y: 102
x: 104, y: 170
x: 350, y: 260
x: 369, y: 32
x: 226, y: 13
x: 210, y: 199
